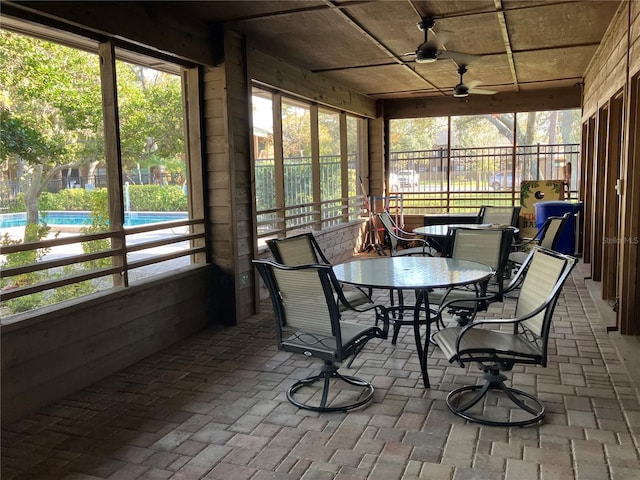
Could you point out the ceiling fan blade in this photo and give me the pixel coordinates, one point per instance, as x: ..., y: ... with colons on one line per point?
x: 441, y: 37
x: 480, y: 91
x: 458, y: 57
x: 473, y: 84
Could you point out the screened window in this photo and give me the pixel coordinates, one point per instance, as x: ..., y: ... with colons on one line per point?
x: 458, y: 163
x: 307, y: 163
x: 88, y: 204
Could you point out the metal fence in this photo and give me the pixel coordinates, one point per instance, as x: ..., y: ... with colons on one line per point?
x: 300, y: 211
x: 461, y: 179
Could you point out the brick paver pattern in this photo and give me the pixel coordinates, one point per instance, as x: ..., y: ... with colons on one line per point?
x: 214, y: 407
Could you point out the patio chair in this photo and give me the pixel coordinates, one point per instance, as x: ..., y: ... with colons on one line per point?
x: 500, y: 215
x: 523, y: 341
x: 403, y: 243
x: 547, y: 237
x: 489, y: 246
x: 308, y: 322
x: 303, y: 249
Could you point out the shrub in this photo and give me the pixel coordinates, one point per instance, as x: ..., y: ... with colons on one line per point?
x: 150, y: 198
x: 70, y: 199
x: 157, y: 198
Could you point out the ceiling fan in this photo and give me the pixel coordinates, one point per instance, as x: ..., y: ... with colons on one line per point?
x: 462, y: 90
x: 430, y: 51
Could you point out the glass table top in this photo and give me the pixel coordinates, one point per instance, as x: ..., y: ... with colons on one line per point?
x: 411, y: 272
x: 441, y: 230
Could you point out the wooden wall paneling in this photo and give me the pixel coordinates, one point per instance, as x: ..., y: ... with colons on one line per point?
x: 241, y: 230
x: 59, y: 351
x: 588, y: 140
x: 220, y: 205
x: 504, y: 102
x: 112, y: 154
x: 604, y: 76
x: 611, y: 199
x: 629, y: 306
x: 193, y: 150
x: 278, y: 154
x: 272, y: 71
x: 187, y: 38
x: 634, y: 44
x: 315, y: 168
x: 344, y: 167
x: 597, y: 192
x: 376, y: 180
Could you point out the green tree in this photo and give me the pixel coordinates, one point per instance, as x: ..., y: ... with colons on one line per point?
x: 51, y: 94
x: 151, y: 120
x: 296, y: 131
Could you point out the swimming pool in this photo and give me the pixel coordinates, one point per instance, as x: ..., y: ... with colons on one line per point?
x: 8, y: 220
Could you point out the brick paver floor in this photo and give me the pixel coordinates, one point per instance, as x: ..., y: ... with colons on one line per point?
x: 214, y: 407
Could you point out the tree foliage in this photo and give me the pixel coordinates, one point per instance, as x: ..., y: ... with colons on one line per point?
x: 51, y: 105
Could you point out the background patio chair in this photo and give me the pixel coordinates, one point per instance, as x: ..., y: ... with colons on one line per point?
x: 309, y: 322
x: 303, y: 249
x: 547, y: 237
x: 500, y: 215
x: 523, y: 341
x: 489, y: 246
x: 401, y: 242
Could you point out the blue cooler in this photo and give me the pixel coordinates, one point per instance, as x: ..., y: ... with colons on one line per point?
x: 557, y: 208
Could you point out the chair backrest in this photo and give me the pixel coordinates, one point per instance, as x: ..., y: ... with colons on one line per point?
x: 300, y: 249
x: 551, y: 231
x: 304, y: 303
x: 489, y: 246
x: 545, y: 272
x: 389, y: 227
x: 500, y: 215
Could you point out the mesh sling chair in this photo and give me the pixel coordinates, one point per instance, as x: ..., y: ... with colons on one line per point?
x: 523, y: 341
x: 547, y: 237
x: 308, y: 322
x: 500, y: 215
x: 303, y: 249
x: 400, y: 240
x: 489, y: 246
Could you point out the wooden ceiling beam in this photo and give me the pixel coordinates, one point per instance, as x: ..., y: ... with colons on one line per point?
x: 507, y: 41
x: 351, y: 21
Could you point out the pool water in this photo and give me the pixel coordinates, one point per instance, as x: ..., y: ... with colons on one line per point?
x: 9, y: 220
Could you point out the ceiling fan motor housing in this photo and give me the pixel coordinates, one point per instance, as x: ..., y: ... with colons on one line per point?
x: 461, y: 90
x: 426, y: 53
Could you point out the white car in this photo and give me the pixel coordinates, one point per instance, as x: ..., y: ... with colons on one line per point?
x: 404, y: 179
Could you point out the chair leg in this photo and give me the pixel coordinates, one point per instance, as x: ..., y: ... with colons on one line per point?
x: 330, y: 371
x: 494, y: 380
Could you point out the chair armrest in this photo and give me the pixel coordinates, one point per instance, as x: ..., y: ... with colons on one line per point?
x: 446, y: 304
x: 524, y: 243
x: 382, y: 314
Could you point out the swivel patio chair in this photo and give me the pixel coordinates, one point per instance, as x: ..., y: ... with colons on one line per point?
x: 489, y: 246
x: 523, y: 341
x: 309, y: 322
x: 303, y: 249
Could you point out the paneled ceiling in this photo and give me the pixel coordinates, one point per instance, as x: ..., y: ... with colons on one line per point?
x: 516, y: 45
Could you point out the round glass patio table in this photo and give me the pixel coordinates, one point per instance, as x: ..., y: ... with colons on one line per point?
x: 413, y: 273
